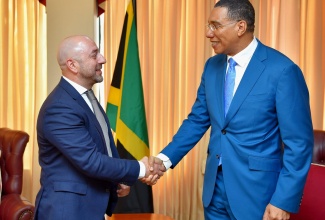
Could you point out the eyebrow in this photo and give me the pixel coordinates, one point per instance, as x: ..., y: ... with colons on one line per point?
x: 95, y: 51
x: 214, y: 22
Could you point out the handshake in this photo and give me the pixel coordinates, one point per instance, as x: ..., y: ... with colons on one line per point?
x: 154, y: 170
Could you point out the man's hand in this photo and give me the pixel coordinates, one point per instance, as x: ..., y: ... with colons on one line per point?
x: 123, y: 190
x: 154, y: 170
x: 274, y: 213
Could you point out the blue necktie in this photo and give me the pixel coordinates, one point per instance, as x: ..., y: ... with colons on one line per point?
x: 229, y: 84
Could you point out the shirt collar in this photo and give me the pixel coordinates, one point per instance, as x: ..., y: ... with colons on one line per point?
x: 78, y: 87
x: 243, y: 57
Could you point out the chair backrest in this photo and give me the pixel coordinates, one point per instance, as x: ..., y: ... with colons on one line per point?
x: 12, y: 146
x: 319, y: 147
x: 313, y: 200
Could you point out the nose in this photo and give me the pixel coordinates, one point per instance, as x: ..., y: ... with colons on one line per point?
x: 209, y: 33
x: 101, y: 59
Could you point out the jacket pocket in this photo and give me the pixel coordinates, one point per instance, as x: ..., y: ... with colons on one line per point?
x: 72, y: 187
x: 264, y: 164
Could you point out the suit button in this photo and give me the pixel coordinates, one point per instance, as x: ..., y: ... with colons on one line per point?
x: 218, y: 156
x: 107, y: 190
x: 223, y: 131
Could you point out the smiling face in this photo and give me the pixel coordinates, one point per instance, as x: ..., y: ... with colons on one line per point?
x: 226, y: 38
x: 80, y: 61
x: 90, y: 62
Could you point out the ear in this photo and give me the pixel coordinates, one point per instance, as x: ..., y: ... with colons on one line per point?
x: 242, y: 27
x: 72, y: 65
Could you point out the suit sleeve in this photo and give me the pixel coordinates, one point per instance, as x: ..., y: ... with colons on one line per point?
x: 192, y: 128
x: 294, y: 118
x: 71, y: 132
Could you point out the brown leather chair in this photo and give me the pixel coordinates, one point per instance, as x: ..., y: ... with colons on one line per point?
x: 13, y: 206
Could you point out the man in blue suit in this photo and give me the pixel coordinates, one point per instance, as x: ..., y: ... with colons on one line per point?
x: 260, y: 149
x: 82, y: 176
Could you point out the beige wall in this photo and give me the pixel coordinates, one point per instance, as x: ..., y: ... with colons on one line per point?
x: 65, y: 18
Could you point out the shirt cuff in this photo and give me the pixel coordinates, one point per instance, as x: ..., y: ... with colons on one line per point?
x: 142, y: 172
x: 166, y: 161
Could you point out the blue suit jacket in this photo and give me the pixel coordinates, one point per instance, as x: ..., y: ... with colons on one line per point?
x: 270, y: 107
x: 78, y: 179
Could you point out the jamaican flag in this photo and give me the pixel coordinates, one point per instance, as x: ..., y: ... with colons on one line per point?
x: 126, y: 113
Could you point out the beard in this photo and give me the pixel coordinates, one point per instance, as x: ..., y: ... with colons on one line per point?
x: 94, y: 73
x: 98, y: 78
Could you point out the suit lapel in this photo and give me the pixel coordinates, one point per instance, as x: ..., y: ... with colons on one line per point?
x: 215, y: 79
x: 79, y: 99
x: 220, y: 87
x: 251, y: 75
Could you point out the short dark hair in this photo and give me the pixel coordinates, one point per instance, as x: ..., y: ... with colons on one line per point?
x: 239, y: 10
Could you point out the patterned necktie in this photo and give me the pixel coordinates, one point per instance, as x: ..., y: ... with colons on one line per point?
x: 229, y: 84
x: 100, y: 117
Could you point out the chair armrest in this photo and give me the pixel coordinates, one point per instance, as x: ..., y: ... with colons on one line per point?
x: 15, y: 206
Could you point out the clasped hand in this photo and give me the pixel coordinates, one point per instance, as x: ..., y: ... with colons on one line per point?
x: 154, y: 170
